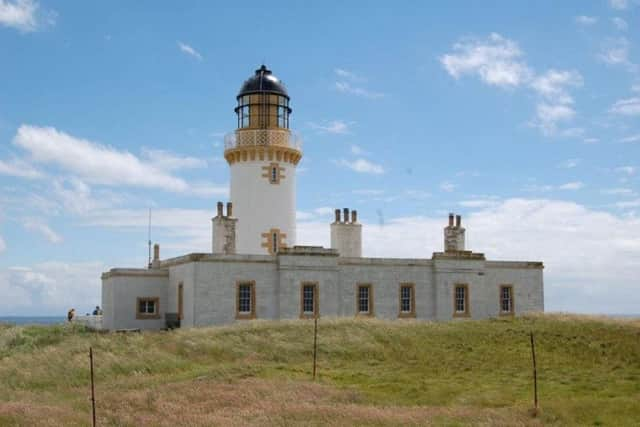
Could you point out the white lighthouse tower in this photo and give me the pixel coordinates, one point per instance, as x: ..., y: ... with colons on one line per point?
x: 262, y: 154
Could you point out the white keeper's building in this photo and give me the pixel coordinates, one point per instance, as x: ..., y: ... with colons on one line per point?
x: 256, y: 271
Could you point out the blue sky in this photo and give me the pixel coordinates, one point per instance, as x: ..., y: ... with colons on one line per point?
x: 525, y: 120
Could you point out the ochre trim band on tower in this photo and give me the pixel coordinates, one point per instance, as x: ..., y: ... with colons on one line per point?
x: 272, y: 153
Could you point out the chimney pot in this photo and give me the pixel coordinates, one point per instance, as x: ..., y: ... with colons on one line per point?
x: 458, y: 220
x: 354, y: 216
x: 337, y: 215
x: 345, y: 211
x: 450, y: 220
x: 220, y: 205
x: 156, y: 252
x: 229, y: 209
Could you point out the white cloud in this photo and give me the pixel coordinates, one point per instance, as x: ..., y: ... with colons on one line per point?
x: 479, y: 203
x: 626, y: 170
x: 358, y: 151
x: 629, y: 204
x: 620, y: 23
x: 24, y: 15
x: 619, y: 4
x: 19, y: 168
x: 498, y: 61
x: 346, y: 81
x: 571, y: 186
x: 557, y: 103
x: 333, y: 126
x: 448, y: 186
x: 591, y: 140
x: 368, y: 192
x: 3, y: 245
x: 548, y: 116
x: 346, y: 87
x: 495, y: 60
x: 586, y: 20
x: 50, y: 288
x: 100, y: 164
x: 632, y: 138
x: 361, y: 166
x: 189, y: 51
x: 615, y: 51
x: 569, y: 163
x: 39, y: 226
x: 348, y: 75
x: 165, y: 160
x: 635, y: 88
x: 566, y: 236
x: 619, y: 191
x: 626, y: 107
x: 553, y: 83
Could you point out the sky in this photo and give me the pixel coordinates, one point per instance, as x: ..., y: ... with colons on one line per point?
x: 524, y: 118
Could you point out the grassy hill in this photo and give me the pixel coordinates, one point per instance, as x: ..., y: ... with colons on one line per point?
x: 370, y: 372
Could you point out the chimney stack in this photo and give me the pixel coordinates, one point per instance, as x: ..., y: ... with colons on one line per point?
x: 156, y: 256
x: 346, y: 234
x: 454, y: 234
x: 223, y: 239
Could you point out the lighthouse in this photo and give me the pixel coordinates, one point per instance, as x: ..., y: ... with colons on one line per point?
x: 262, y: 154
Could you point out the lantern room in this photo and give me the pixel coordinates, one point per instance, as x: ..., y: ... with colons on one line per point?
x: 263, y: 102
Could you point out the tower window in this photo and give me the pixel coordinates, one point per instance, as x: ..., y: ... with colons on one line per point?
x: 365, y: 300
x: 506, y: 299
x: 245, y: 300
x: 407, y: 300
x: 274, y: 242
x: 461, y: 301
x: 309, y: 300
x: 273, y: 172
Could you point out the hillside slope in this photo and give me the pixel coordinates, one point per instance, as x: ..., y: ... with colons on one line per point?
x: 370, y: 372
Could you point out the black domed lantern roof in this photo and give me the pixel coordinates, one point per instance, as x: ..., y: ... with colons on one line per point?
x: 263, y: 81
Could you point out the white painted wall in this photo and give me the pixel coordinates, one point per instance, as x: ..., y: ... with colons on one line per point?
x: 120, y: 290
x: 260, y: 205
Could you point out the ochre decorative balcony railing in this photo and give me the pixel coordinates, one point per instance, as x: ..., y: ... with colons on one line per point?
x: 262, y: 138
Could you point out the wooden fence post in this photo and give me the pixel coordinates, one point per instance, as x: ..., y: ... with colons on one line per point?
x: 315, y: 344
x: 535, y: 375
x: 93, y: 395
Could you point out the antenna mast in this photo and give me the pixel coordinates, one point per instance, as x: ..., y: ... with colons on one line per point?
x: 149, y: 238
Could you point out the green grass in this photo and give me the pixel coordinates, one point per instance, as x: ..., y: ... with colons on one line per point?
x: 370, y: 372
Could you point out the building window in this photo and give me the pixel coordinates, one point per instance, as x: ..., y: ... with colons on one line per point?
x: 461, y: 301
x: 308, y: 300
x: 365, y: 300
x: 246, y: 300
x: 407, y: 300
x: 148, y: 308
x: 506, y: 299
x: 274, y: 174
